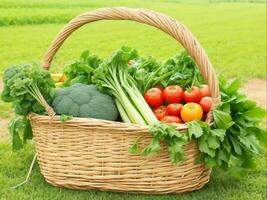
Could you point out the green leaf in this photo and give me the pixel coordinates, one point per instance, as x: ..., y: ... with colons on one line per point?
x: 134, y: 148
x: 236, y: 145
x: 27, y: 132
x: 220, y: 133
x: 16, y: 141
x: 213, y: 142
x: 225, y: 107
x: 255, y: 114
x: 222, y: 155
x: 222, y: 119
x: 15, y: 127
x: 234, y: 161
x: 260, y: 133
x: 64, y: 118
x: 84, y: 55
x: 251, y: 143
x: 245, y: 104
x: 210, y: 162
x: 176, y: 152
x: 233, y: 86
x: 227, y: 145
x: 194, y: 129
x: 173, y: 138
x: 203, y: 147
x: 152, y: 148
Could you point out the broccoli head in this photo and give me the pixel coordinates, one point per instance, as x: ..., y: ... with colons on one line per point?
x: 81, y: 100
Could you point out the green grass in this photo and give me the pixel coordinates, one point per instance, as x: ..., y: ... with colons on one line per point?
x: 234, y: 35
x: 14, y: 167
x: 233, y: 32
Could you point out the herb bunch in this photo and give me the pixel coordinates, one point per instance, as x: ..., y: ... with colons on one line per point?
x: 236, y: 138
x: 25, y: 86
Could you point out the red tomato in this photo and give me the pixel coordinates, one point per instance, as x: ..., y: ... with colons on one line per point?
x: 156, y: 89
x: 192, y: 95
x: 173, y: 94
x: 174, y: 109
x: 160, y: 112
x: 206, y: 103
x: 153, y: 97
x: 171, y: 119
x: 160, y: 87
x: 205, y: 91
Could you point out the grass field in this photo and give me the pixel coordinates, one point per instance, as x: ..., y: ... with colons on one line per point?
x: 233, y: 33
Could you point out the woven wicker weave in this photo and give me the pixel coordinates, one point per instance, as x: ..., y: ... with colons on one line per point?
x: 93, y: 154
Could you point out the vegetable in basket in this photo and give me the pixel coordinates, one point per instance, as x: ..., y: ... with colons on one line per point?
x: 235, y: 139
x: 232, y: 143
x: 81, y: 100
x: 25, y: 86
x: 179, y: 70
x: 113, y: 77
x: 244, y: 140
x: 81, y: 70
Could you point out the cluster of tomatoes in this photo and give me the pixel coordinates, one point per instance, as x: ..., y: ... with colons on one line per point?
x: 174, y: 105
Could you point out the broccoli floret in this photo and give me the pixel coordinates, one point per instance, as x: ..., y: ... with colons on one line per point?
x: 81, y: 100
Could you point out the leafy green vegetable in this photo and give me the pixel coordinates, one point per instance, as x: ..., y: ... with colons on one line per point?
x: 223, y: 120
x: 194, y: 129
x: 235, y: 139
x: 179, y: 70
x: 20, y: 129
x: 113, y: 78
x: 164, y: 133
x: 81, y: 70
x: 25, y: 86
x: 183, y: 71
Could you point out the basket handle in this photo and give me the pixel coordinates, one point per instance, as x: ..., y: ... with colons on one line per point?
x: 161, y: 21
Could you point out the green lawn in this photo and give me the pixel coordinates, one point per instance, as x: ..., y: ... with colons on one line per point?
x: 233, y: 32
x: 234, y: 35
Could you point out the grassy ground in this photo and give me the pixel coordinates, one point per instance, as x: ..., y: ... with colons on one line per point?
x: 233, y: 32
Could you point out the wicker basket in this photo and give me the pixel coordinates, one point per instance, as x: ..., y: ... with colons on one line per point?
x: 88, y: 153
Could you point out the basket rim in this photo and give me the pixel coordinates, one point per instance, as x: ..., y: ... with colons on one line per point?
x: 56, y: 118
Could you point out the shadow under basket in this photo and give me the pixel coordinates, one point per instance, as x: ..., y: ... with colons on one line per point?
x: 93, y: 154
x: 85, y: 153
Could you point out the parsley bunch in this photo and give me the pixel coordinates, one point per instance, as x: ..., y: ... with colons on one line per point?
x: 164, y: 133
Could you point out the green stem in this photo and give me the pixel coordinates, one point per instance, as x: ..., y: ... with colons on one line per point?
x: 137, y: 98
x: 122, y: 112
x: 131, y: 111
x: 194, y: 79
